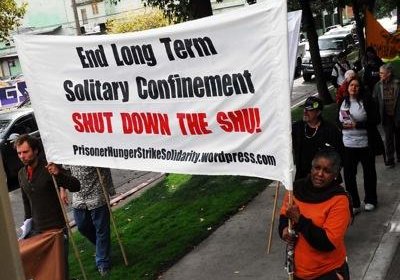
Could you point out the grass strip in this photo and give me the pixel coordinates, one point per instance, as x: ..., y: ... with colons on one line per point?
x: 168, y: 221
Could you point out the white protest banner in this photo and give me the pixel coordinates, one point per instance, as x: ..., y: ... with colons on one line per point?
x: 209, y: 96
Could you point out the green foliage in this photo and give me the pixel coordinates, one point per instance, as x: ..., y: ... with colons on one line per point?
x: 10, y: 15
x: 174, y: 10
x: 137, y: 22
x: 168, y: 221
x: 384, y: 7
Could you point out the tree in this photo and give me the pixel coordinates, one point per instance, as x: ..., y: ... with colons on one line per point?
x: 358, y: 12
x: 309, y: 26
x: 180, y: 10
x: 384, y: 7
x: 137, y: 22
x: 10, y: 15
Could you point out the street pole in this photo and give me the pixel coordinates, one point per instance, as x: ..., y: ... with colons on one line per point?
x: 76, y: 18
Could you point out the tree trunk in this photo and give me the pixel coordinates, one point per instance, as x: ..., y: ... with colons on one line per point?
x: 309, y: 25
x: 200, y: 8
x: 340, y: 14
x: 359, y: 27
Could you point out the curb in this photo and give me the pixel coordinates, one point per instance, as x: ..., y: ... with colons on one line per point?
x: 383, y: 256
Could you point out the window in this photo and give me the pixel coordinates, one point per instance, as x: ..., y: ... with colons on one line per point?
x: 24, y: 125
x: 95, y: 8
x: 84, y: 16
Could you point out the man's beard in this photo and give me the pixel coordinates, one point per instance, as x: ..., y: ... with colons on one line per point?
x: 28, y: 162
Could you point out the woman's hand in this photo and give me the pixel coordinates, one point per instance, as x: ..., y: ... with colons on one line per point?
x: 349, y: 125
x: 293, y: 213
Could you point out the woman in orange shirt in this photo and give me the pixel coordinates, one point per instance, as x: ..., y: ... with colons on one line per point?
x: 321, y: 212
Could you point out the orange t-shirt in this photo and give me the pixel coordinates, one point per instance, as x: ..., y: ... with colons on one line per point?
x: 332, y: 215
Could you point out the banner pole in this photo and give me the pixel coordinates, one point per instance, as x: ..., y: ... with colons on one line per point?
x: 290, y: 226
x: 76, y: 252
x: 111, y: 216
x: 273, y: 217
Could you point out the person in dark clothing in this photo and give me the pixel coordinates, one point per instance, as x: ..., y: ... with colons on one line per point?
x: 41, y: 203
x: 35, y: 178
x: 311, y: 134
x: 387, y: 95
x: 321, y: 214
x: 372, y: 62
x: 339, y: 69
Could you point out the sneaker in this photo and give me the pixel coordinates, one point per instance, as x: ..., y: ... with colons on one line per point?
x: 369, y: 207
x: 356, y: 210
x: 103, y: 271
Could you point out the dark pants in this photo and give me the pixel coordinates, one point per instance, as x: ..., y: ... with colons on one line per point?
x: 352, y: 156
x: 332, y: 275
x: 95, y: 225
x: 392, y: 140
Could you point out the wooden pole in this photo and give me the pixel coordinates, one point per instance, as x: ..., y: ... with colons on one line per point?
x: 111, y: 215
x: 271, y: 230
x: 76, y: 252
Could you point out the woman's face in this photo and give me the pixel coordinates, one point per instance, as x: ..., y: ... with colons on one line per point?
x: 353, y: 88
x: 322, y: 173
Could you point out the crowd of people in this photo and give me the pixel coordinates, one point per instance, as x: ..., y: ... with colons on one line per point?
x: 322, y: 206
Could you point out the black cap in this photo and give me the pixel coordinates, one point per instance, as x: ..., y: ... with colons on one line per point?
x: 313, y: 103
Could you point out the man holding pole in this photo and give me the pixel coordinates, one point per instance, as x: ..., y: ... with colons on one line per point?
x: 41, y: 203
x: 91, y: 212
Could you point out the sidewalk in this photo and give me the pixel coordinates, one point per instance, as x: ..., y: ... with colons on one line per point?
x: 237, y: 250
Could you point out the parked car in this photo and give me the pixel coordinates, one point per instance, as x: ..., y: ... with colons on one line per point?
x: 13, y: 123
x: 301, y: 52
x: 332, y: 27
x: 330, y: 45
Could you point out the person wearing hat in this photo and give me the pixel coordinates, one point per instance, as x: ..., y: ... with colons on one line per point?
x: 311, y: 134
x: 339, y: 69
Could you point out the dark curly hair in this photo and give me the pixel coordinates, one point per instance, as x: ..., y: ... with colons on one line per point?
x: 32, y: 141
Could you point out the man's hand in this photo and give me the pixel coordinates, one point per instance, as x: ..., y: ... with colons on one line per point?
x: 64, y: 196
x: 53, y: 169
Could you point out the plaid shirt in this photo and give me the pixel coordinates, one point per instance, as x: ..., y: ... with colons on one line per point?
x: 91, y: 195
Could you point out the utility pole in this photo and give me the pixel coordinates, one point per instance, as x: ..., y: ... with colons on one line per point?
x: 76, y: 17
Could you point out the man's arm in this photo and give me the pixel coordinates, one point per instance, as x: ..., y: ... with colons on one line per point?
x: 64, y: 178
